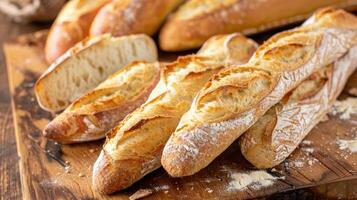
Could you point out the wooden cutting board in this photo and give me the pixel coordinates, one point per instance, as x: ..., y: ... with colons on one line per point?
x: 53, y: 171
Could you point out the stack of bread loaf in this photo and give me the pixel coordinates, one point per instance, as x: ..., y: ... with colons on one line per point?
x: 183, y: 114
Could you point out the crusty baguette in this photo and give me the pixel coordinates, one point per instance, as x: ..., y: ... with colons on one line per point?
x: 237, y: 97
x: 134, y: 147
x: 197, y: 20
x: 87, y: 64
x: 93, y: 114
x: 123, y: 17
x: 71, y: 26
x: 278, y: 133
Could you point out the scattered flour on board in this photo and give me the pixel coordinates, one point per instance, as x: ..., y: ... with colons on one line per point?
x: 308, y: 150
x: 209, y: 190
x: 305, y: 157
x: 300, y: 162
x: 345, y: 108
x: 350, y: 145
x: 161, y: 187
x: 306, y: 142
x: 255, y: 179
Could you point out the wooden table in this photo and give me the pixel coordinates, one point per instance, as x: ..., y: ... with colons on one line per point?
x: 10, y: 183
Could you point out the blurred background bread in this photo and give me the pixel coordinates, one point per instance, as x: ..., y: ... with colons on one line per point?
x: 123, y: 17
x: 71, y: 26
x: 197, y: 20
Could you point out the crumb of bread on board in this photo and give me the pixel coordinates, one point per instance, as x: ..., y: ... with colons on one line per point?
x: 141, y: 193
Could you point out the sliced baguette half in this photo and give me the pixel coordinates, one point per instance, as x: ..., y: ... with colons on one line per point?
x: 93, y: 114
x: 87, y: 64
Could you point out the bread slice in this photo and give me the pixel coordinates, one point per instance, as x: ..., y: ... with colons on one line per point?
x: 87, y: 64
x: 93, y: 114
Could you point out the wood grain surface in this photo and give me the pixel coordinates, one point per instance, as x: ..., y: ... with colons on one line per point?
x: 10, y: 185
x: 51, y: 171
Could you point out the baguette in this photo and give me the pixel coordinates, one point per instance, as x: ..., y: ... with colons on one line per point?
x: 92, y: 115
x: 87, y: 64
x: 134, y: 147
x: 278, y: 133
x: 237, y: 97
x: 192, y: 24
x: 123, y: 17
x: 71, y: 26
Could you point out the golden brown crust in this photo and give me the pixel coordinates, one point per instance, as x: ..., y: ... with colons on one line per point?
x: 92, y: 115
x: 148, y: 128
x: 274, y: 137
x: 218, y: 117
x: 141, y: 136
x: 185, y: 30
x: 113, y: 175
x: 71, y: 26
x: 123, y: 17
x: 233, y: 46
x: 235, y: 91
